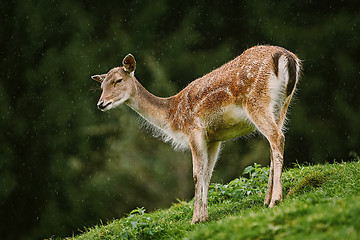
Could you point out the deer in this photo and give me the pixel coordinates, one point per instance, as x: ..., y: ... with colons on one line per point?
x: 249, y: 93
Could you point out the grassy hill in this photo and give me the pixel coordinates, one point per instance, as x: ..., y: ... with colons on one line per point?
x: 320, y: 202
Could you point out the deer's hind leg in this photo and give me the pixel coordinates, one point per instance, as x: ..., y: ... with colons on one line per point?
x: 281, y: 119
x: 270, y: 182
x: 264, y: 120
x: 282, y: 115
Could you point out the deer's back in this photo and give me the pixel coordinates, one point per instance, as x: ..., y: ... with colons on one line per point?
x: 216, y: 100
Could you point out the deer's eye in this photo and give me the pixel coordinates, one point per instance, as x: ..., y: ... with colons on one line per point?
x: 117, y: 81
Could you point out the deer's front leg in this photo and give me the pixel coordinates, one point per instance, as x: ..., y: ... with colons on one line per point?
x: 200, y: 160
x: 197, y: 199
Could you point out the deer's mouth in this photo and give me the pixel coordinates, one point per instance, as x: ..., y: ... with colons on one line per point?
x: 103, y: 106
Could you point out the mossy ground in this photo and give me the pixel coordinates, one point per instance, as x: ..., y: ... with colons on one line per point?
x: 320, y: 202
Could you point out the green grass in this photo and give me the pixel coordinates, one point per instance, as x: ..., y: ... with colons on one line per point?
x: 320, y: 202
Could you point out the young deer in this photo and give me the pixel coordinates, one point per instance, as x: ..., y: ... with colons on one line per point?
x: 251, y: 92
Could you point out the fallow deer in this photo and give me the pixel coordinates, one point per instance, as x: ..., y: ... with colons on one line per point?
x: 251, y: 92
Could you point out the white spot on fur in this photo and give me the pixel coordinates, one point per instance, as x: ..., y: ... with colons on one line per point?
x: 229, y: 92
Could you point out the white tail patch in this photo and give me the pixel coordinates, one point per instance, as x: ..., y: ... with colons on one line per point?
x: 277, y: 85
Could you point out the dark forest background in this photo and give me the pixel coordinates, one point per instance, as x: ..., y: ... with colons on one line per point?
x: 65, y: 165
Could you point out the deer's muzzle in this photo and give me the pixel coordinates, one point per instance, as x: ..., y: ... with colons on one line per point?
x: 102, y: 105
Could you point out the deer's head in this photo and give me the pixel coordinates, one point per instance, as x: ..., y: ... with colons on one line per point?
x: 117, y: 85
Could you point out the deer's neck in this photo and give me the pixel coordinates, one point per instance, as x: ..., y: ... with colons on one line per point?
x: 152, y: 108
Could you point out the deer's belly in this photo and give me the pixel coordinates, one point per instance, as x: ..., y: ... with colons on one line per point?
x: 230, y: 122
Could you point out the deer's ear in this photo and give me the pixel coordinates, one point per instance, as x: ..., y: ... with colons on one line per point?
x: 129, y: 63
x: 100, y: 78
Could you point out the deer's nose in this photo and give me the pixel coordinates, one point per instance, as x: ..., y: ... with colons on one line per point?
x: 102, y: 105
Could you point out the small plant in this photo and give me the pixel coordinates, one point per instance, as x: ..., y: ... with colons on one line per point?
x: 139, y: 225
x: 241, y: 187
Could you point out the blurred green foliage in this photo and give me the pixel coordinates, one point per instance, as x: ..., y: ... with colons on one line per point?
x: 64, y: 164
x: 241, y: 187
